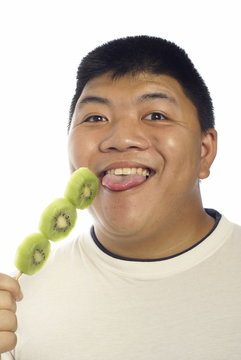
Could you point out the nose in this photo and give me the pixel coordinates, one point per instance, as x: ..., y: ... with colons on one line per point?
x: 125, y: 135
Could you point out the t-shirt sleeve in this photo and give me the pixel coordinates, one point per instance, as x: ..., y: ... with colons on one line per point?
x: 7, y: 356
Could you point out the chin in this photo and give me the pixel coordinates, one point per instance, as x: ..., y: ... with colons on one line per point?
x: 122, y: 223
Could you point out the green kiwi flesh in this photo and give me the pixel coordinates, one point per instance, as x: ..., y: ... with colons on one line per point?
x: 32, y: 253
x: 58, y: 219
x: 82, y: 188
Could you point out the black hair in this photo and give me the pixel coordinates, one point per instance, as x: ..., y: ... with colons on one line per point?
x: 136, y: 54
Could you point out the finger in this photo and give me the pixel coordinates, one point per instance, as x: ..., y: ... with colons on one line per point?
x: 6, y: 301
x: 8, y: 321
x: 8, y: 341
x: 11, y: 285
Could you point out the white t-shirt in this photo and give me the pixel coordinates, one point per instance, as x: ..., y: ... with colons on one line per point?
x: 86, y: 304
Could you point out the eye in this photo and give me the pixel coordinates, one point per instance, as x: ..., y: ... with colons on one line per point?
x: 95, y: 118
x: 155, y: 116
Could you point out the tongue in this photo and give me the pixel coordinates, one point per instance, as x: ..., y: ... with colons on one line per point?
x: 122, y: 182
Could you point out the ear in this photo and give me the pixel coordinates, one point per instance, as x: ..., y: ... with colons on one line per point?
x: 208, y: 152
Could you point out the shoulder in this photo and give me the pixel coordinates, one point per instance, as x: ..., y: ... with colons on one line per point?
x: 228, y: 234
x: 235, y: 235
x: 234, y: 229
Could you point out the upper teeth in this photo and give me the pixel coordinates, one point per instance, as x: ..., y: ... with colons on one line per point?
x: 129, y: 171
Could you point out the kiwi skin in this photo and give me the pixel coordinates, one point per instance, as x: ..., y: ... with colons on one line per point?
x: 82, y: 188
x: 58, y: 219
x: 32, y: 253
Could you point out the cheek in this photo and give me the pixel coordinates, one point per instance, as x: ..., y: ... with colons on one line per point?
x: 79, y: 150
x: 181, y: 151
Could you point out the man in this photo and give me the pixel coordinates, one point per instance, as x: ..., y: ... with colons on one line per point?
x: 157, y: 276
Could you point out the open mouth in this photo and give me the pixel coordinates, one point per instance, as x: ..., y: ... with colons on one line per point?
x: 120, y: 179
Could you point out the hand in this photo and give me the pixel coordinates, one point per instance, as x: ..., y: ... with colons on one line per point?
x: 9, y: 293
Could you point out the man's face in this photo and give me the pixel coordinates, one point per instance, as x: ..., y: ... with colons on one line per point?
x: 141, y: 122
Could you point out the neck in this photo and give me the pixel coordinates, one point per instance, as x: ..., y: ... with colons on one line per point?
x: 167, y: 240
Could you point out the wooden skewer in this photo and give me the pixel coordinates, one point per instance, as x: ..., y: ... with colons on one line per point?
x: 18, y: 276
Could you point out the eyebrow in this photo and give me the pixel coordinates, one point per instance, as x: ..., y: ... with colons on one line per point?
x: 156, y: 95
x: 94, y: 99
x: 140, y: 99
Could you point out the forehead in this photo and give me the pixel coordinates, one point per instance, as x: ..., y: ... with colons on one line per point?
x: 134, y: 86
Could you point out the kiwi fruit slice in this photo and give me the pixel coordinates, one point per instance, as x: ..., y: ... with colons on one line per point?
x: 82, y: 188
x: 58, y: 219
x: 32, y: 253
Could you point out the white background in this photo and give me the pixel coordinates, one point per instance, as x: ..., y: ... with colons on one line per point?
x: 42, y: 44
